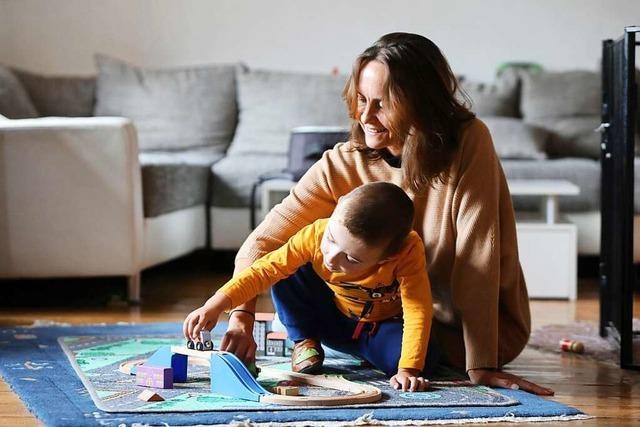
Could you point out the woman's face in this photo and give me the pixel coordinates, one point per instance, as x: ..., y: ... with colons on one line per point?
x: 372, y: 114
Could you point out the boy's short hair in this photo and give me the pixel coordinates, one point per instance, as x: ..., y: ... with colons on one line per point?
x: 378, y: 212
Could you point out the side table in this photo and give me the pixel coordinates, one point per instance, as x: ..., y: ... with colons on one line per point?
x: 273, y: 192
x: 547, y: 242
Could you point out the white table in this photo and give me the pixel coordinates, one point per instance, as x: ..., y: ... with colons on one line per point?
x: 273, y: 192
x: 547, y: 243
x: 548, y: 190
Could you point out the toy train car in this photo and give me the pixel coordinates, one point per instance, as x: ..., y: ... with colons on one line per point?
x: 204, y: 344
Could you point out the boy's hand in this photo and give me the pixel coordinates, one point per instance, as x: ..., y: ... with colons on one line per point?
x: 205, y: 317
x: 408, y: 380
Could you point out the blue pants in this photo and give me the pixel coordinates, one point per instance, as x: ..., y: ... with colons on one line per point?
x: 306, y: 308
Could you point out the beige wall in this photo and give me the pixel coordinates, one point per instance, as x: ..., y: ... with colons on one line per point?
x: 60, y: 36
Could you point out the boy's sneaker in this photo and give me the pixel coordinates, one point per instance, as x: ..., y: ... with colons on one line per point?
x: 307, y: 357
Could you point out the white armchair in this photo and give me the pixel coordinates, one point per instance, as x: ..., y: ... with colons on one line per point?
x: 71, y: 199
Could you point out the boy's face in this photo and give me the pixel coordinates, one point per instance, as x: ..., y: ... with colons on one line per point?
x: 344, y: 253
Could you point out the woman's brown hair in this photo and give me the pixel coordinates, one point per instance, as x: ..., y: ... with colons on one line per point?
x: 424, y: 110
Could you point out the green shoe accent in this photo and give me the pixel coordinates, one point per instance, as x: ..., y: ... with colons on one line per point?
x: 305, y: 354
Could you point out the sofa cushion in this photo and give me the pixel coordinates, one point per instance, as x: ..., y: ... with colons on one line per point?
x: 171, y: 108
x: 571, y: 136
x: 272, y: 103
x: 60, y: 96
x: 585, y: 173
x: 14, y: 100
x: 515, y: 139
x: 496, y: 99
x: 560, y: 94
x: 176, y: 180
x: 234, y: 176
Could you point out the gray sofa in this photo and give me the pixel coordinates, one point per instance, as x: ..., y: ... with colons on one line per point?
x: 206, y: 133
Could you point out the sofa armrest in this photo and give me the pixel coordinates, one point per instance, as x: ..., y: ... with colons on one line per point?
x: 70, y: 197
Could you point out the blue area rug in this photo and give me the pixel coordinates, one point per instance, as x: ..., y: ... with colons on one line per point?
x: 36, y: 368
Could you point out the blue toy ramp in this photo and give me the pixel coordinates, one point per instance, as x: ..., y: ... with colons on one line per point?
x: 230, y: 377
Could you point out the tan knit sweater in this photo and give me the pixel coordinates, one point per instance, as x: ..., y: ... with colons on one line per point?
x: 468, y: 228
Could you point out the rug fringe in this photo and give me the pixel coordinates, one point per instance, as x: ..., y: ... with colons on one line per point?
x: 367, y: 419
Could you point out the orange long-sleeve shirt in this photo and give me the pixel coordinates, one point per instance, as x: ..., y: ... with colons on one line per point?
x: 398, y: 286
x: 480, y: 306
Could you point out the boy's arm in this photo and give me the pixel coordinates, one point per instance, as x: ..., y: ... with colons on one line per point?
x: 272, y: 267
x: 244, y: 287
x: 415, y: 291
x: 239, y: 336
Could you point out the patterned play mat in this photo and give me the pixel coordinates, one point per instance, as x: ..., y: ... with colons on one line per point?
x: 97, y: 359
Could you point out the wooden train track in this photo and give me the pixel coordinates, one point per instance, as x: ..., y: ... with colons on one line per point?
x: 360, y: 393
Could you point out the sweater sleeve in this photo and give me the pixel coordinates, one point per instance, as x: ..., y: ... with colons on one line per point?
x: 313, y: 197
x: 274, y: 266
x: 415, y: 291
x: 486, y: 262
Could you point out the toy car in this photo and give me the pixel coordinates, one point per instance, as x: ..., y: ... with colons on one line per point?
x: 204, y: 344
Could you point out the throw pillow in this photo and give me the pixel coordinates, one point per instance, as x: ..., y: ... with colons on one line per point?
x: 14, y: 100
x: 272, y: 103
x: 560, y: 94
x: 171, y: 108
x: 514, y: 139
x: 496, y: 99
x: 65, y: 96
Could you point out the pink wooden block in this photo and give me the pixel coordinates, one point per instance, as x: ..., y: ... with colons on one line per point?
x: 153, y: 376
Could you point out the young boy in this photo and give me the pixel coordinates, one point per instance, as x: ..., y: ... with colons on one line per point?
x: 373, y: 276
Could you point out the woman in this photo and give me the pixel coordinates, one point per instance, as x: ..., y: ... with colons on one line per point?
x: 411, y: 128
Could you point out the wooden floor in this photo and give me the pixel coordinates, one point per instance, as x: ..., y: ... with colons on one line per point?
x: 171, y: 291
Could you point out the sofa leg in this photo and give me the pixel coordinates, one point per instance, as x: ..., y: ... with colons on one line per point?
x: 133, y: 289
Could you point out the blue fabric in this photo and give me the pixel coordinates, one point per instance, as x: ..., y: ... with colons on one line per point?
x: 306, y: 308
x: 35, y: 367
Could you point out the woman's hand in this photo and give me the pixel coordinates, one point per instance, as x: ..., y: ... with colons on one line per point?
x: 239, y: 337
x: 408, y: 380
x: 502, y: 379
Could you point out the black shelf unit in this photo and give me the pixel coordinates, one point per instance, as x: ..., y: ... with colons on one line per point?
x: 617, y: 274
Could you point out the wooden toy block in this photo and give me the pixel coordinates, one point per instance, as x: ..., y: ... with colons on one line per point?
x: 150, y: 396
x: 276, y: 344
x: 265, y: 317
x: 289, y: 383
x: 261, y: 327
x: 165, y: 358
x: 286, y: 390
x: 154, y: 376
